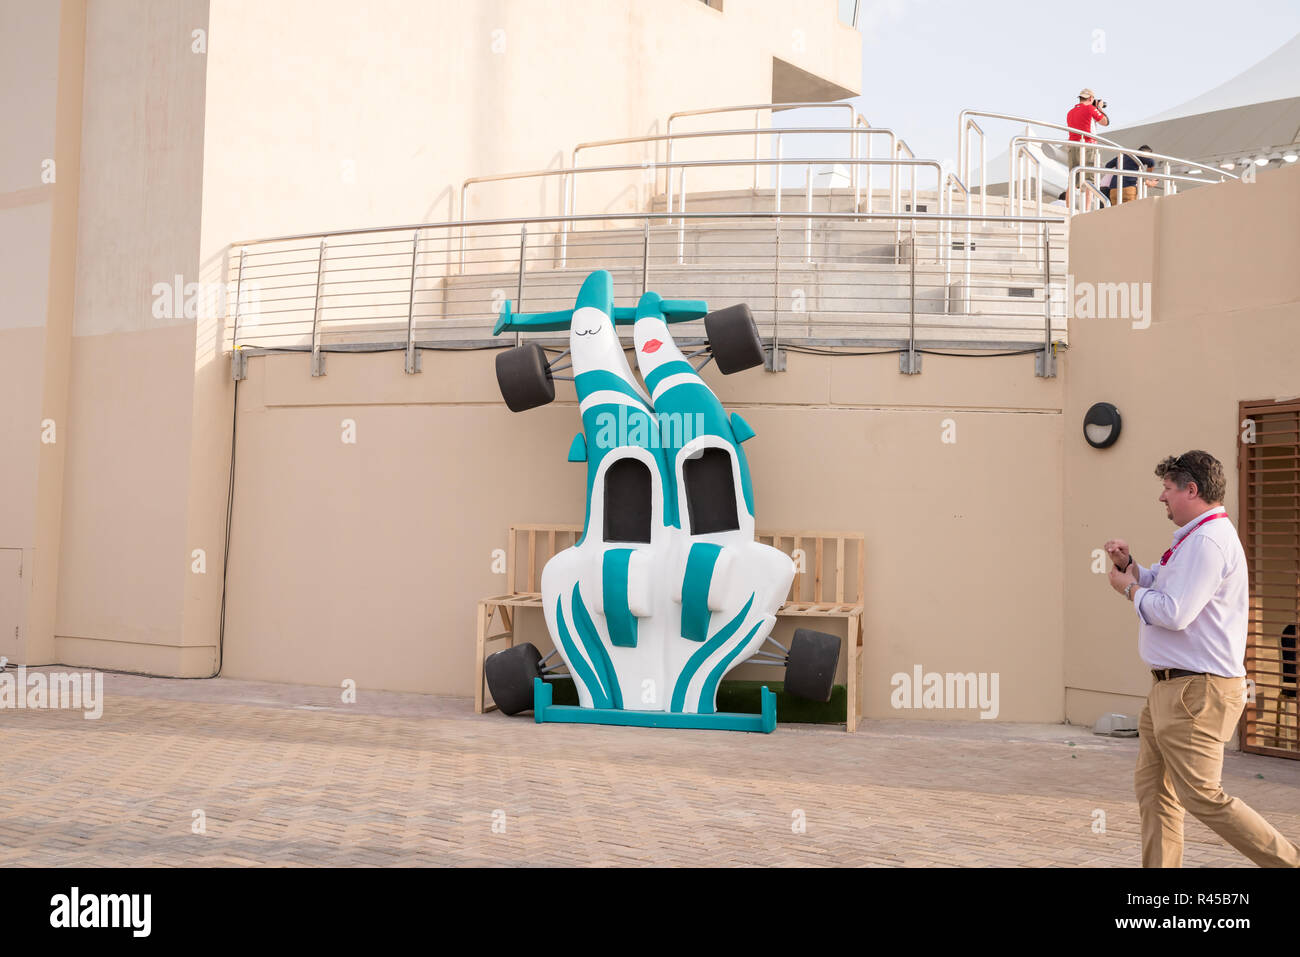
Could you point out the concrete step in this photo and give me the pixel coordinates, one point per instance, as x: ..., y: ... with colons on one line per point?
x: 993, y: 248
x: 840, y: 200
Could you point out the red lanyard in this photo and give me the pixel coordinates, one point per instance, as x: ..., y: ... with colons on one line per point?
x: 1165, y: 557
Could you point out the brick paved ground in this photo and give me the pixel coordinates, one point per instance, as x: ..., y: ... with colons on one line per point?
x: 289, y: 775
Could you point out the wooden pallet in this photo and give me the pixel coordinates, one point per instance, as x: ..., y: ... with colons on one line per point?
x: 828, y: 583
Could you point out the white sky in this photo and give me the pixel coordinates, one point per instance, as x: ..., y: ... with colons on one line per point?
x: 923, y: 61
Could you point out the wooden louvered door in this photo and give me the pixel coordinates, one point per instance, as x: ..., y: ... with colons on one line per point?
x: 1269, y: 474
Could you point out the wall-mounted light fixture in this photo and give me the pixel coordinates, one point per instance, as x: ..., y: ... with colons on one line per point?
x: 1101, y: 425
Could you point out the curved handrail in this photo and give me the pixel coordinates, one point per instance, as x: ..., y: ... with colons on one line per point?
x: 759, y: 107
x: 858, y: 130
x: 617, y: 217
x: 1029, y: 138
x: 1020, y: 154
x: 954, y: 180
x: 300, y: 314
x: 1103, y: 199
x: 965, y: 123
x: 964, y: 115
x: 1022, y: 140
x: 684, y: 165
x: 1077, y: 171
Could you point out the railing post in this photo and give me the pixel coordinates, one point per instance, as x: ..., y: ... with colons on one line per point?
x: 1017, y: 208
x: 909, y: 362
x: 412, y: 357
x: 912, y: 176
x: 238, y: 362
x: 519, y: 293
x: 893, y: 186
x: 868, y: 177
x: 668, y: 173
x: 463, y: 217
x: 1045, y: 365
x: 984, y: 175
x: 317, y: 357
x: 775, y: 362
x: 966, y: 286
x: 645, y: 258
x: 853, y: 156
x: 565, y: 200
x: 963, y: 146
x: 681, y: 220
x: 780, y: 155
x: 807, y: 228
x: 944, y: 230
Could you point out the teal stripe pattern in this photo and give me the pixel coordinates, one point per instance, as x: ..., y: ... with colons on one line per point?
x: 614, y: 573
x: 676, y: 367
x: 596, y: 649
x: 698, y: 577
x: 701, y: 655
x: 584, y: 674
x: 601, y: 380
x: 709, y: 691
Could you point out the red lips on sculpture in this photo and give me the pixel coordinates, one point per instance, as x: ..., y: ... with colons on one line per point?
x: 652, y: 345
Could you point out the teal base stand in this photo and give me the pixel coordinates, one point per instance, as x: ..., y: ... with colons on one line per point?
x: 544, y: 711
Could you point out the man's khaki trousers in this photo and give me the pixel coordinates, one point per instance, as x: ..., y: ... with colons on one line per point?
x: 1180, y: 765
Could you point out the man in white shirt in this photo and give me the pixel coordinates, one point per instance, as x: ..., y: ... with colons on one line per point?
x: 1192, y: 619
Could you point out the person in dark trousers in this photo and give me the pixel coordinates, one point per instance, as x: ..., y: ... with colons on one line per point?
x: 1129, y: 189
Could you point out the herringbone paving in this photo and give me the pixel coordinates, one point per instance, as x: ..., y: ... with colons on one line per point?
x: 289, y: 775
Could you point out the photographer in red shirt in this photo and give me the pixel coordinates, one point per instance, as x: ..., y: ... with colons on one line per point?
x: 1080, y: 119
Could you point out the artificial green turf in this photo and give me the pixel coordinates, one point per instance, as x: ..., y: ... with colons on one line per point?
x: 742, y: 697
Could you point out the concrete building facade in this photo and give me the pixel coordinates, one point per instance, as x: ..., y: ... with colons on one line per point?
x: 180, y: 129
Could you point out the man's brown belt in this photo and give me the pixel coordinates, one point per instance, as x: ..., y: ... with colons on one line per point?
x: 1163, y: 674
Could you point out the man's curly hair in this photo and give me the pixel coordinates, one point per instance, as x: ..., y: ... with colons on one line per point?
x: 1199, y: 467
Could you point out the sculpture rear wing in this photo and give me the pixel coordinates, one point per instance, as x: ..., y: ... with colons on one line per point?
x: 674, y: 310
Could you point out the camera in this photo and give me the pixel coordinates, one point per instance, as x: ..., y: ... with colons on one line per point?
x: 1101, y: 104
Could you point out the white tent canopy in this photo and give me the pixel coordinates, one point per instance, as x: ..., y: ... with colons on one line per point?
x: 1276, y: 77
x: 1256, y: 111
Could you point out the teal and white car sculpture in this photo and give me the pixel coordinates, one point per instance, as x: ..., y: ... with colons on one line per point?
x: 667, y: 590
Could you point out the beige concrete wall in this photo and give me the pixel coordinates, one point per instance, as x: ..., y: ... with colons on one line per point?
x: 205, y: 123
x: 365, y: 560
x: 1226, y: 328
x: 328, y: 114
x: 29, y: 68
x: 125, y: 556
x: 40, y: 98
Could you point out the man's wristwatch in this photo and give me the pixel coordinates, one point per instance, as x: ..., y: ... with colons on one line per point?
x: 1128, y: 591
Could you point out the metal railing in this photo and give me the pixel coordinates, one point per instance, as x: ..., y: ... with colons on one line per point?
x: 895, y: 279
x: 1077, y: 173
x: 863, y: 130
x: 404, y: 288
x: 966, y: 124
x: 1020, y: 144
x: 570, y: 175
x: 759, y: 109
